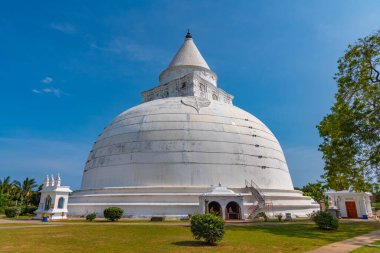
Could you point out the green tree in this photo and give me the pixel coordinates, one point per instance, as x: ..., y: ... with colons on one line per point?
x: 5, y: 185
x: 9, y: 192
x: 27, y: 189
x: 315, y: 191
x: 15, y: 192
x: 351, y: 132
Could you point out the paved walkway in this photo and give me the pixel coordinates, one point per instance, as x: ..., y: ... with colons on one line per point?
x: 349, y: 244
x: 30, y: 226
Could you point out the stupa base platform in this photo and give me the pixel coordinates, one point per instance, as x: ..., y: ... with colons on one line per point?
x: 179, y: 203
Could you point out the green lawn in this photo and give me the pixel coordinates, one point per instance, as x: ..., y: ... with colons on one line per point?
x: 97, y: 237
x: 366, y: 249
x: 21, y: 217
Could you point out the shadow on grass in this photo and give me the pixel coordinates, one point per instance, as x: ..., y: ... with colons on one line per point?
x: 346, y: 230
x: 192, y: 244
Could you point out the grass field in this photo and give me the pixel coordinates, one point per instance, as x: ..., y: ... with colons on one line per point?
x: 124, y: 237
x: 366, y: 249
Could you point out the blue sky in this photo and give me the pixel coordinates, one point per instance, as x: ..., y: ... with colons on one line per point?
x: 67, y: 68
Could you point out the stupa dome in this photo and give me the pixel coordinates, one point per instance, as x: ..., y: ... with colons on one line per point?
x: 168, y: 142
x: 164, y: 156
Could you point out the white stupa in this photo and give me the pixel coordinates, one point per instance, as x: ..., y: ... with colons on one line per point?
x: 186, y: 137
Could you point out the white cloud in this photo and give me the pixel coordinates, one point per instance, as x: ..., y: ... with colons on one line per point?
x: 63, y: 27
x: 57, y: 92
x: 49, y: 90
x: 36, y: 91
x: 47, y: 80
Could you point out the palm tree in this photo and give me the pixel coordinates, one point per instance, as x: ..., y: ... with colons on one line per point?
x: 5, y: 185
x: 15, y: 191
x: 27, y: 188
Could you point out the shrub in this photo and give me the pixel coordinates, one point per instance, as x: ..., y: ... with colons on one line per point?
x: 113, y: 213
x: 91, y: 216
x: 279, y: 217
x: 325, y: 220
x: 207, y: 226
x: 25, y: 210
x: 12, y: 212
x: 264, y: 215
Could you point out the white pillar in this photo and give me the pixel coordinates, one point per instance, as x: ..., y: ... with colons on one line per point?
x: 52, y: 180
x: 46, y: 181
x: 57, y: 180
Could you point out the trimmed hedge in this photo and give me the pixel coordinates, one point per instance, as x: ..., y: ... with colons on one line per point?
x: 12, y: 212
x: 208, y: 227
x: 263, y: 215
x: 325, y: 221
x: 91, y: 216
x: 113, y: 213
x: 25, y: 210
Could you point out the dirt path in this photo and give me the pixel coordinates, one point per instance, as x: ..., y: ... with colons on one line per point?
x: 349, y: 244
x: 29, y: 226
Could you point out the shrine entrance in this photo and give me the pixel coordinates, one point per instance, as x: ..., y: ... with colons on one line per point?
x: 215, y: 208
x: 223, y: 202
x: 233, y: 211
x: 351, y: 209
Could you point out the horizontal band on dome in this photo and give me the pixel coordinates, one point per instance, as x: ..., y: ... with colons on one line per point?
x: 200, y: 163
x: 188, y: 151
x: 108, y: 129
x: 195, y: 121
x: 97, y: 145
x: 184, y: 140
x: 187, y: 113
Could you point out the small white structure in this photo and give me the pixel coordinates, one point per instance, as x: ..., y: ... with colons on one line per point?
x: 53, y: 200
x: 351, y: 204
x: 222, y: 201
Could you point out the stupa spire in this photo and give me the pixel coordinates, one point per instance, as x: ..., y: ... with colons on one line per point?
x: 188, y: 74
x: 189, y: 55
x: 188, y: 35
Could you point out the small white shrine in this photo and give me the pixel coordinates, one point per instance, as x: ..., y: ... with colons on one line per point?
x: 223, y: 202
x: 54, y: 198
x: 351, y: 204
